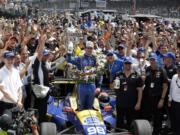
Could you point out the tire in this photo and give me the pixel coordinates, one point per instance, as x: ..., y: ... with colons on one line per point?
x: 141, y: 127
x: 48, y: 128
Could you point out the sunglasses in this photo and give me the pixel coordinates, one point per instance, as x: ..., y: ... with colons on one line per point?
x: 10, y: 58
x: 120, y: 48
x: 152, y: 60
x: 89, y: 48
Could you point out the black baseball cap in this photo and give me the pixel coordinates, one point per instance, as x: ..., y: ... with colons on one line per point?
x: 109, y: 54
x: 9, y: 54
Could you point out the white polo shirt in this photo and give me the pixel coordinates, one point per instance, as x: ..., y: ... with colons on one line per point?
x: 11, y: 82
x: 175, y: 89
x: 1, y: 95
x: 140, y: 65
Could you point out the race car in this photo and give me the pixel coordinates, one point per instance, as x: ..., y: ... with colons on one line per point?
x: 100, y: 120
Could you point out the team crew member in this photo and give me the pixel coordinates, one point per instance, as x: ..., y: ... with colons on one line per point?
x: 174, y: 101
x: 86, y: 84
x: 112, y: 66
x: 156, y: 84
x: 10, y: 83
x: 169, y: 65
x: 128, y: 96
x: 170, y: 68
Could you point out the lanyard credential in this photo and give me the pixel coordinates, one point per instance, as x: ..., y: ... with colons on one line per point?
x: 110, y: 67
x: 110, y: 70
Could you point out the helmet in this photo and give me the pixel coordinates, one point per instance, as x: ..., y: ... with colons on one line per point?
x: 103, y: 99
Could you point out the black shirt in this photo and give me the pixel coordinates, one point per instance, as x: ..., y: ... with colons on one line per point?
x: 45, y: 72
x: 171, y: 70
x: 155, y: 78
x: 106, y: 79
x: 127, y: 94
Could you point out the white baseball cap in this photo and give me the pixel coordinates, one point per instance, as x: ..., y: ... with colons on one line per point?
x: 89, y: 44
x: 70, y: 47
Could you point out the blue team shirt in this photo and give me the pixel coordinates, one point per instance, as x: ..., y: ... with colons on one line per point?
x: 122, y: 58
x: 82, y: 62
x: 160, y: 59
x: 113, y: 68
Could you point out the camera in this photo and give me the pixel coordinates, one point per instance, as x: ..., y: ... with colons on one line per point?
x: 17, y: 121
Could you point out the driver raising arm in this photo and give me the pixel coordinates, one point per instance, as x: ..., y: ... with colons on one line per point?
x: 10, y: 84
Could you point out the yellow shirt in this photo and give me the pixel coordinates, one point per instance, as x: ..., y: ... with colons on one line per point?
x: 78, y: 51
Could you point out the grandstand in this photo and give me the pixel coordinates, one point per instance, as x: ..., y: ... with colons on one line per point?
x: 165, y: 8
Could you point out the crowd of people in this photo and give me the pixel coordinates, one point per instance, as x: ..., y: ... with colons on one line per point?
x: 144, y: 56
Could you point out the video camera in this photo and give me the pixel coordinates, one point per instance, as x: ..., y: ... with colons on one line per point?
x: 17, y: 121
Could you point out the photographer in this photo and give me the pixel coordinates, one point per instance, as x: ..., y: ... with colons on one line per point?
x: 11, y: 121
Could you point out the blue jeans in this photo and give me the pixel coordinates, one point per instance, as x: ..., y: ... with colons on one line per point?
x: 86, y: 94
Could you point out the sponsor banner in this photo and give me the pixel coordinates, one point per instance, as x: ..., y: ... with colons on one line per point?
x: 84, y: 3
x: 101, y: 3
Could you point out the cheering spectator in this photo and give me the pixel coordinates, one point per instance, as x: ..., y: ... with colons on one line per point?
x: 10, y: 83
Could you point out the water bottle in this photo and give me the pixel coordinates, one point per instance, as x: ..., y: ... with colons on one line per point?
x: 117, y: 83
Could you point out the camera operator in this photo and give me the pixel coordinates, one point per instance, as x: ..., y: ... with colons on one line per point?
x: 10, y: 83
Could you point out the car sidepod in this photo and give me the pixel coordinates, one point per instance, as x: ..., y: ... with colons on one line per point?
x: 109, y: 119
x: 56, y: 112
